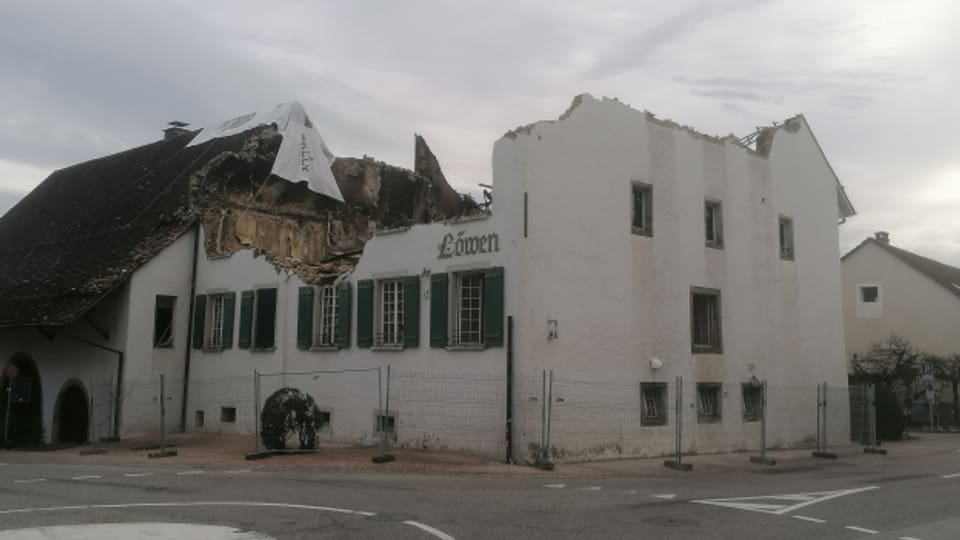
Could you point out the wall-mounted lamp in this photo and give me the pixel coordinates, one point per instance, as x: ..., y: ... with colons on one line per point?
x: 425, y: 272
x: 656, y: 363
x: 552, y: 332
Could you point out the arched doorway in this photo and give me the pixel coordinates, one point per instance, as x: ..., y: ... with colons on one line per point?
x: 73, y: 414
x: 26, y: 407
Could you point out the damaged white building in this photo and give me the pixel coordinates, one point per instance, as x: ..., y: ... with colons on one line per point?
x: 620, y: 252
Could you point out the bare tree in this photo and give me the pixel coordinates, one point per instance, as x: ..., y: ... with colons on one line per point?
x: 948, y: 370
x: 888, y: 363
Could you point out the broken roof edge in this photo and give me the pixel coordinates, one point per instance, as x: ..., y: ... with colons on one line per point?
x: 580, y: 99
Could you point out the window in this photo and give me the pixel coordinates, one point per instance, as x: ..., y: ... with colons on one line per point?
x: 198, y: 419
x: 213, y: 321
x: 786, y: 238
x: 708, y: 402
x: 752, y: 402
x: 653, y: 398
x: 163, y: 321
x: 714, y: 224
x: 466, y: 309
x: 869, y: 294
x: 228, y: 414
x: 869, y: 301
x: 642, y: 215
x: 258, y: 314
x: 705, y: 320
x: 323, y: 317
x: 390, y: 332
x: 323, y: 420
x: 386, y: 423
x: 388, y: 313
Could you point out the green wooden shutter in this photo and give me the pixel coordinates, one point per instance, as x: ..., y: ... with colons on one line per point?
x: 493, y: 307
x: 264, y: 326
x: 411, y: 311
x: 365, y: 313
x: 229, y: 308
x: 343, y: 316
x: 246, y: 319
x: 439, y: 304
x: 305, y: 318
x: 199, y: 316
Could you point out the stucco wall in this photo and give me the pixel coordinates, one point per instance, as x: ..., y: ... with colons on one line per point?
x: 911, y: 305
x: 621, y: 299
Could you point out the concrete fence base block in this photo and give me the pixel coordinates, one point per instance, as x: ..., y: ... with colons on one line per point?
x: 872, y: 450
x: 165, y: 453
x: 762, y: 460
x: 824, y: 455
x: 674, y: 464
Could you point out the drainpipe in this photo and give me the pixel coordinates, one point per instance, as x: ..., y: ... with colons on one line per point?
x: 119, y: 389
x: 186, y: 356
x: 509, y: 433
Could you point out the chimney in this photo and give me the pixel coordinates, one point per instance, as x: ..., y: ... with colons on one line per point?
x: 883, y: 237
x: 176, y: 129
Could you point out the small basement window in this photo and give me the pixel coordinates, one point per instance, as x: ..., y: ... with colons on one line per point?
x: 642, y: 211
x: 653, y: 398
x: 324, y: 419
x: 163, y: 321
x: 198, y: 419
x: 752, y: 402
x: 386, y: 422
x: 708, y: 402
x: 228, y: 414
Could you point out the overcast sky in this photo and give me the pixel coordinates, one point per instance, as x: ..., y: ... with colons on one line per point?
x: 877, y: 81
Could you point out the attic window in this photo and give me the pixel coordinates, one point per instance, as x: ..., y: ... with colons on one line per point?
x: 869, y: 294
x: 163, y: 321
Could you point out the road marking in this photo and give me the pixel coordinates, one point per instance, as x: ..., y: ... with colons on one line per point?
x: 632, y: 492
x: 138, y: 475
x: 426, y: 528
x: 239, y: 471
x: 807, y: 518
x: 908, y: 538
x: 957, y: 475
x: 861, y: 529
x: 775, y: 504
x: 590, y: 488
x: 30, y: 481
x: 439, y: 534
x: 87, y: 477
x: 555, y: 486
x: 666, y: 496
x: 134, y: 531
x: 189, y: 473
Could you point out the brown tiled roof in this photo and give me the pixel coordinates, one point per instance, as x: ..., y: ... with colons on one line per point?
x: 87, y: 227
x: 944, y: 274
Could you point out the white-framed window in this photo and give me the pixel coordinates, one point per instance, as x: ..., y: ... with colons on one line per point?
x: 216, y: 313
x: 325, y: 317
x: 390, y: 327
x: 786, y: 238
x: 705, y: 320
x: 752, y: 402
x: 653, y: 398
x: 708, y: 402
x: 642, y: 209
x: 467, y: 309
x: 713, y: 218
x: 869, y: 301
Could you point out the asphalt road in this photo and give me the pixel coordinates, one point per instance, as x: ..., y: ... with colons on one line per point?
x: 864, y: 497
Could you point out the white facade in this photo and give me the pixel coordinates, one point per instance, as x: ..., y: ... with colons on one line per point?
x: 907, y: 303
x: 590, y: 300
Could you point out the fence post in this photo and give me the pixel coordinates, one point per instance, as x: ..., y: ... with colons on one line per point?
x: 163, y: 424
x: 256, y: 410
x: 822, y: 413
x: 543, y: 461
x: 762, y: 458
x: 386, y: 456
x: 678, y: 462
x: 873, y: 443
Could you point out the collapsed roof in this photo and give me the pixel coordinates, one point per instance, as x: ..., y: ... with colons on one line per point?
x: 83, y: 231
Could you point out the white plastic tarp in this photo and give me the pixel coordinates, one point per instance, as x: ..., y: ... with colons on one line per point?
x: 303, y: 156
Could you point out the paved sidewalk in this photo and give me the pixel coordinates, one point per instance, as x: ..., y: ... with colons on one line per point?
x: 209, y: 451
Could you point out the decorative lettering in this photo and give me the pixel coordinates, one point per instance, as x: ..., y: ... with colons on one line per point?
x: 460, y: 244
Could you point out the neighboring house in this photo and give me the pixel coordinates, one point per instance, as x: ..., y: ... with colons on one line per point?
x: 888, y: 290
x: 621, y: 252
